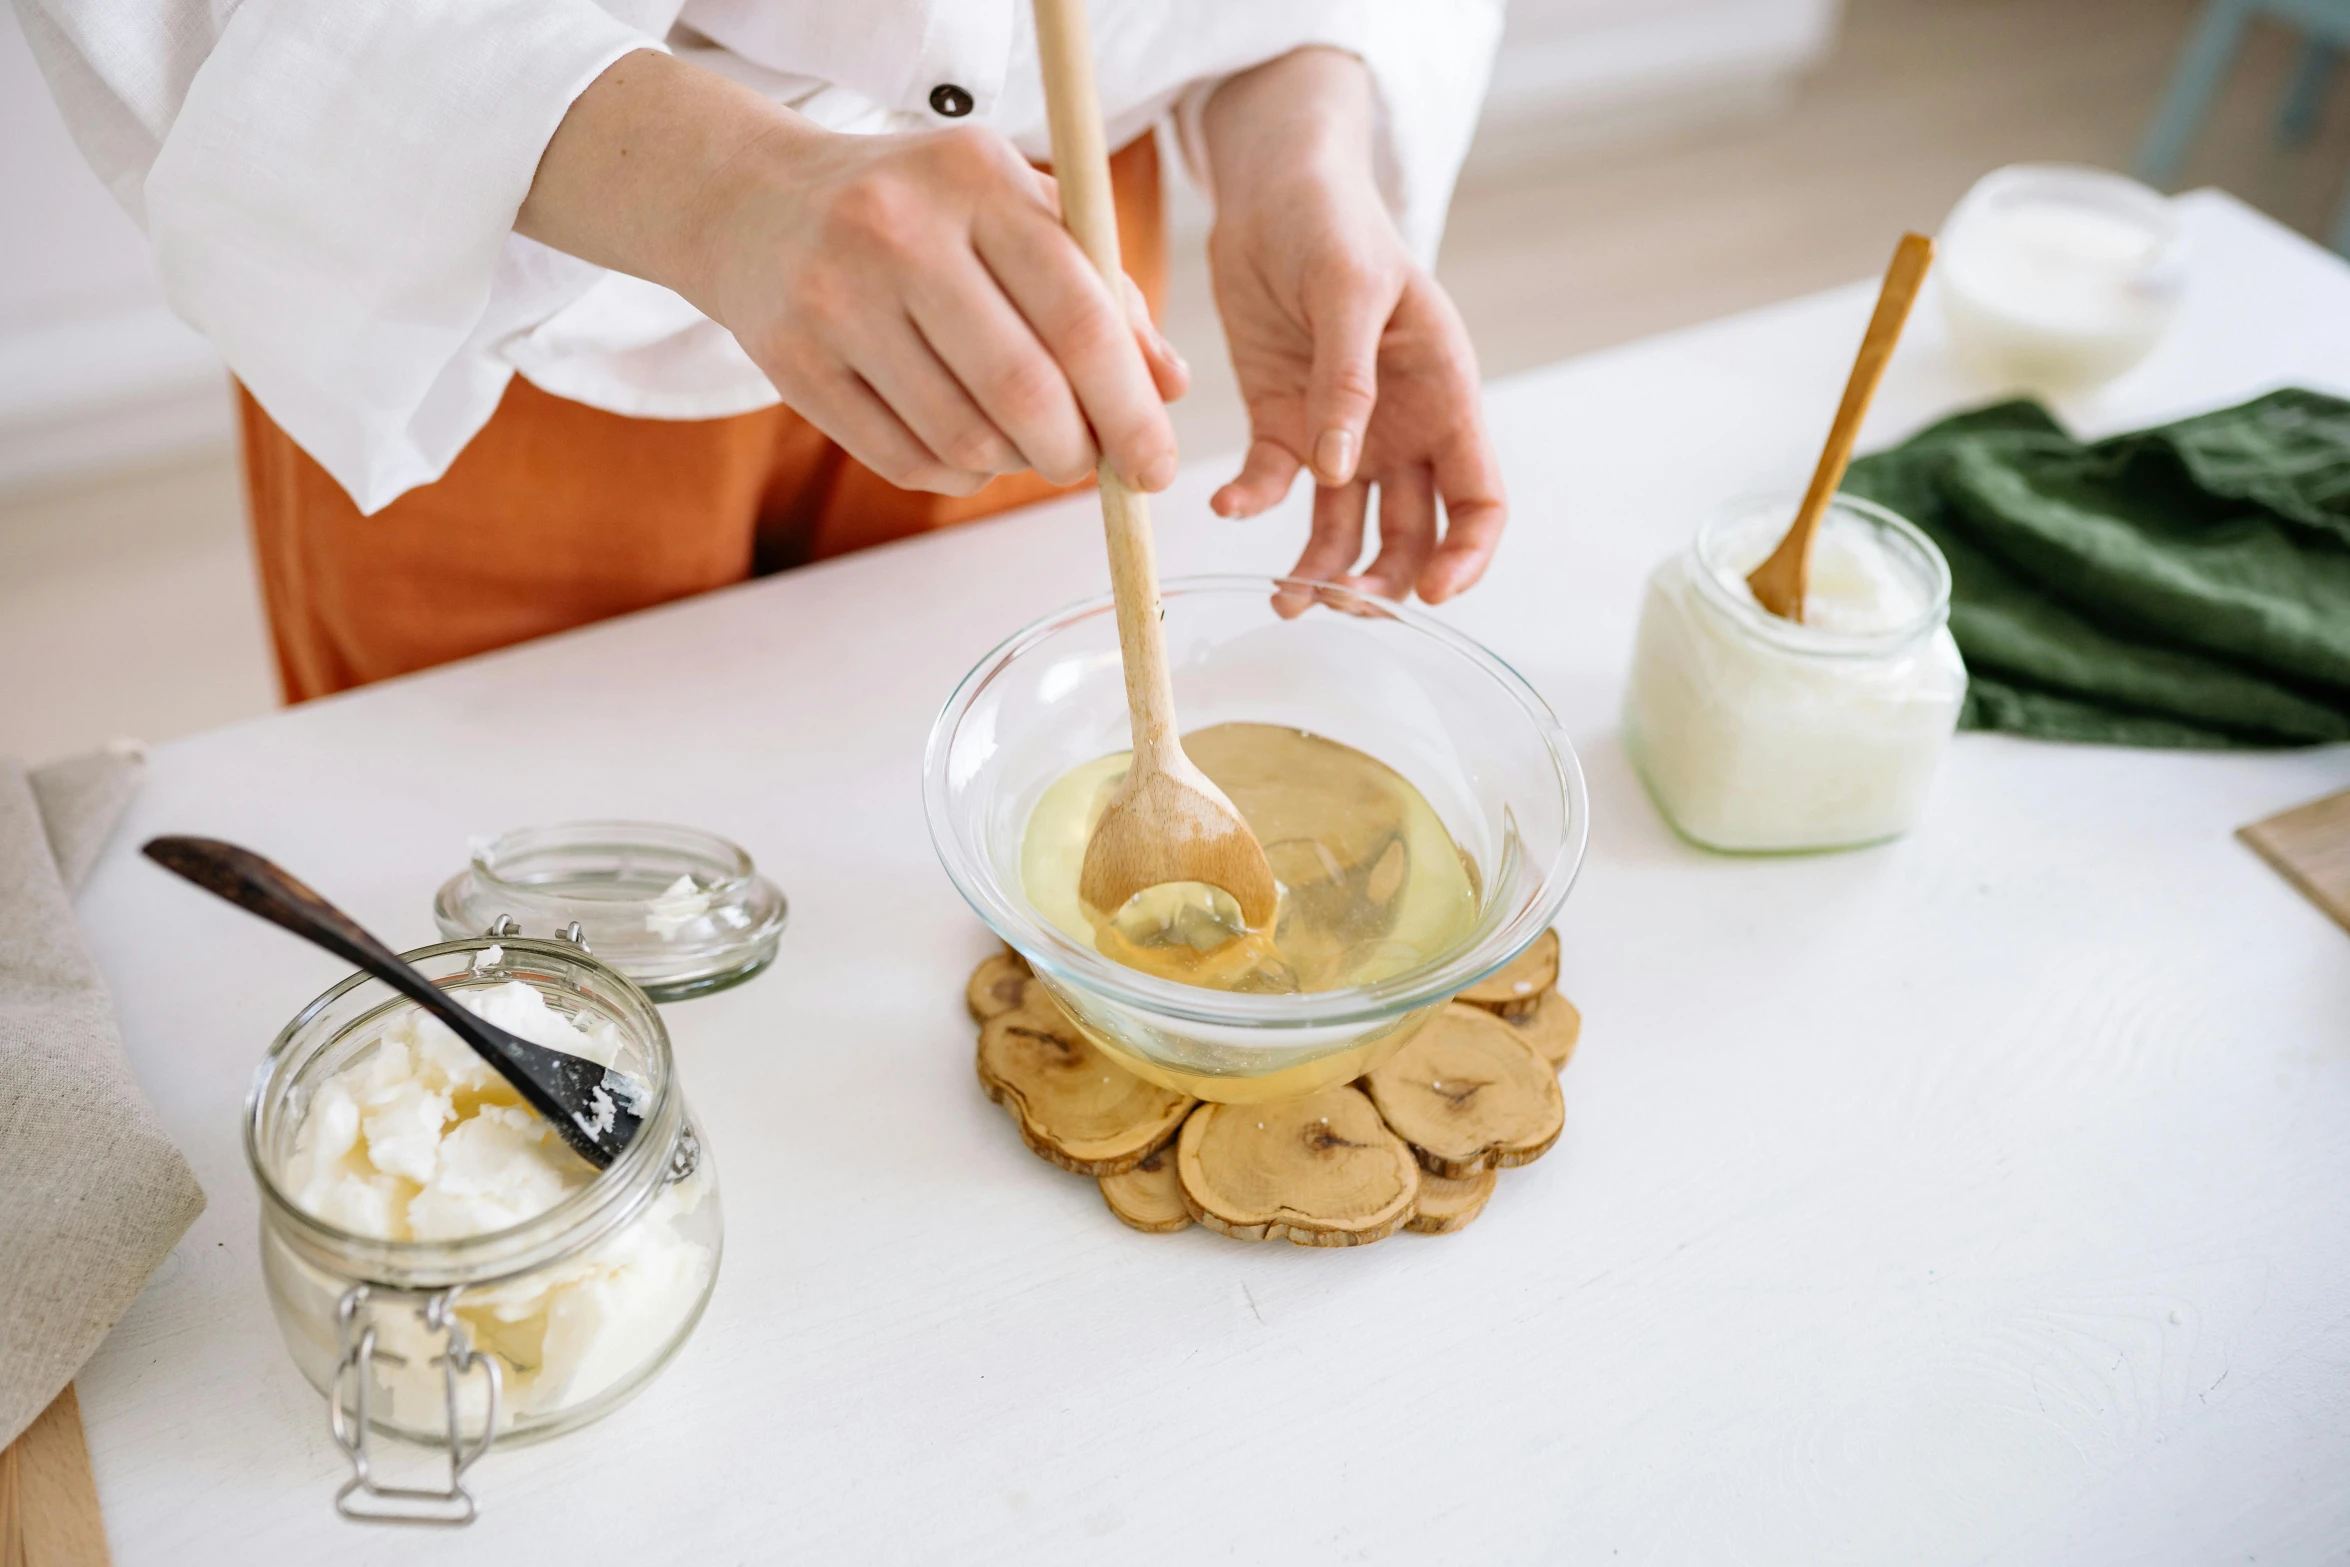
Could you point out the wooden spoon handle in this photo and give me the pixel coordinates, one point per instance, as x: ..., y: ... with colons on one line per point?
x: 1081, y: 166
x: 1784, y: 577
x: 1903, y: 277
x: 1081, y: 153
x: 260, y: 887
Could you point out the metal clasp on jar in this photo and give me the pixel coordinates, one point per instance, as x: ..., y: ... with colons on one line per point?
x: 361, y: 1498
x: 685, y: 1155
x: 507, y: 928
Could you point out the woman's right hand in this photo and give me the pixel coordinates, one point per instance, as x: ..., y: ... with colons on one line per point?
x: 914, y: 297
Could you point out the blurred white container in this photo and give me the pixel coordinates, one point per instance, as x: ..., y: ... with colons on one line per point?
x: 2056, y: 277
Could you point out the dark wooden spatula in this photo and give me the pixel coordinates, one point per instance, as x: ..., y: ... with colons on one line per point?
x: 574, y: 1094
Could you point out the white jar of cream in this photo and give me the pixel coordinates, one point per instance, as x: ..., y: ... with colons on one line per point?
x: 1761, y: 735
x: 2055, y: 277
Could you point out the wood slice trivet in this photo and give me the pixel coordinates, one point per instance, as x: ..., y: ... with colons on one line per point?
x: 1470, y: 1093
x: 1075, y: 1106
x: 1149, y: 1197
x: 1447, y: 1204
x: 1552, y: 1028
x: 1415, y: 1145
x: 996, y: 987
x: 1323, y: 1170
x: 1517, y: 990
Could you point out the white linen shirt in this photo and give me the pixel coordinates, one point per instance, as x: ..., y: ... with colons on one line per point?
x: 330, y: 185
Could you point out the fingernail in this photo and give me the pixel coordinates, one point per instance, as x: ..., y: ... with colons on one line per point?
x: 1157, y: 476
x: 1334, y: 456
x: 1169, y: 352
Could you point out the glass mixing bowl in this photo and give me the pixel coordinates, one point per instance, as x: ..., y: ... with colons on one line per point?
x: 1462, y: 726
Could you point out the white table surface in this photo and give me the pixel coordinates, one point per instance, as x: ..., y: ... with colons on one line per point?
x: 1985, y: 1196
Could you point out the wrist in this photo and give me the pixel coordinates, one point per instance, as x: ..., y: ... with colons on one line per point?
x: 1301, y: 121
x: 648, y: 169
x: 752, y: 176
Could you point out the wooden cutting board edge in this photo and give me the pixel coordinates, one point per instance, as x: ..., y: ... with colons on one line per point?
x: 48, y: 1496
x: 2309, y: 846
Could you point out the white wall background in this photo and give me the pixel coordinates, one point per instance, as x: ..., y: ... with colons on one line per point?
x: 1622, y: 65
x: 96, y: 372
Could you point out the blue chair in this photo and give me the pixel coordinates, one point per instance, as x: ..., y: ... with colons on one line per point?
x: 2203, y: 65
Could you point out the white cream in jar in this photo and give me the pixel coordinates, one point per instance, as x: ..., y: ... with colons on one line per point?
x: 1757, y: 734
x: 419, y: 1140
x: 2054, y: 277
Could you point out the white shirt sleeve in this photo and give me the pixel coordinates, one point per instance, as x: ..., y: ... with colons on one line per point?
x: 1429, y: 61
x: 344, y: 265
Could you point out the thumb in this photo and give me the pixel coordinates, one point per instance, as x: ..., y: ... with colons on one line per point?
x: 1344, y: 382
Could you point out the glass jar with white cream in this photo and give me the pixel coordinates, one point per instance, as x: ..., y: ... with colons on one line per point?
x: 2055, y: 277
x: 443, y: 1267
x: 1757, y: 734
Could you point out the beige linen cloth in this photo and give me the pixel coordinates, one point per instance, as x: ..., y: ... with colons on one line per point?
x: 93, y: 1196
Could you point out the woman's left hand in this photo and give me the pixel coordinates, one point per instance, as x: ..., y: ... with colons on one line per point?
x: 1352, y: 361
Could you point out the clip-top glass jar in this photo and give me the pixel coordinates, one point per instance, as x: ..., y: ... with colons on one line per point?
x: 1757, y: 734
x: 519, y: 1333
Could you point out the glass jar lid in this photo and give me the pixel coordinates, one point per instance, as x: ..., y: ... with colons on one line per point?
x: 680, y: 911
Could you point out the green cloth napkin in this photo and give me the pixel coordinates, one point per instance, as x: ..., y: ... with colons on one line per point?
x: 2181, y: 586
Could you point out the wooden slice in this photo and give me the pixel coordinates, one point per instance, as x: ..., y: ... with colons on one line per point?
x: 1552, y: 1028
x: 1470, y: 1093
x: 1323, y: 1170
x: 1149, y: 1197
x: 1074, y: 1105
x: 1518, y: 988
x: 1447, y: 1205
x: 997, y: 986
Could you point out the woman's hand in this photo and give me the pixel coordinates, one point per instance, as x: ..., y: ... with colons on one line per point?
x: 914, y: 297
x: 1352, y: 361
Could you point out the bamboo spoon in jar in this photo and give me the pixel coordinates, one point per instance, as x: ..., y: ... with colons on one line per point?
x: 1168, y: 821
x: 1781, y: 581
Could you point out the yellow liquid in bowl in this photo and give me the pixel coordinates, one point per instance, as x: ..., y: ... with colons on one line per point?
x: 1372, y: 886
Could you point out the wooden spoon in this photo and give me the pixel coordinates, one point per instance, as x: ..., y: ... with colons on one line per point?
x: 570, y: 1091
x: 1167, y: 822
x: 1780, y: 582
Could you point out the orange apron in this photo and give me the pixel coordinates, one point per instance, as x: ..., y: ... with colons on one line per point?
x: 558, y: 514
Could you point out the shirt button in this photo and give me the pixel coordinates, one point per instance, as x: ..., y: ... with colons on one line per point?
x: 948, y: 99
